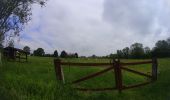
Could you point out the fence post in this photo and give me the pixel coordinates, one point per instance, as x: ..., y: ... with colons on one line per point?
x: 58, y: 70
x: 118, y: 75
x: 154, y: 69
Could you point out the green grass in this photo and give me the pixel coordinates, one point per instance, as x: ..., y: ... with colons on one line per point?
x: 35, y: 80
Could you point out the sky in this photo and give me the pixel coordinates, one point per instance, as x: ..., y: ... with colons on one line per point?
x: 97, y: 27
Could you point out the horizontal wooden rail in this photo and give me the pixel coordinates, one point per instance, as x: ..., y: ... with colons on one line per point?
x: 136, y: 72
x: 93, y: 75
x: 96, y: 89
x: 85, y: 64
x: 135, y: 63
x: 104, y: 64
x: 136, y: 85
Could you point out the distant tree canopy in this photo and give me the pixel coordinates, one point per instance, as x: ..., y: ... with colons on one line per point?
x: 162, y: 48
x: 147, y: 52
x: 14, y: 14
x: 93, y: 56
x: 126, y: 52
x: 27, y: 49
x: 55, y: 53
x: 39, y: 52
x: 48, y: 55
x: 76, y: 55
x: 168, y: 41
x: 63, y: 54
x: 72, y: 55
x: 136, y: 50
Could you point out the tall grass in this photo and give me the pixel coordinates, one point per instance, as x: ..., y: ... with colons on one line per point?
x: 35, y: 80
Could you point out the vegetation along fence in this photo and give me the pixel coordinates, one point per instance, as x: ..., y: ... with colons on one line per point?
x: 115, y: 65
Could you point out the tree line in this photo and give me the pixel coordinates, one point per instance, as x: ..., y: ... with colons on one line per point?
x: 41, y: 52
x: 137, y: 50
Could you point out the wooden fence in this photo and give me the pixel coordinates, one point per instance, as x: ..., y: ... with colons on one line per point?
x: 115, y: 65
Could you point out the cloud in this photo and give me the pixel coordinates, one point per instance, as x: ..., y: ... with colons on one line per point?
x: 96, y: 26
x: 138, y: 17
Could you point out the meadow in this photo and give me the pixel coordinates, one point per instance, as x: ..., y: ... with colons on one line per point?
x: 36, y: 80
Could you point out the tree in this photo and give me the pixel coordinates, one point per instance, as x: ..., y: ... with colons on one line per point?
x: 14, y: 14
x: 27, y: 49
x: 168, y: 41
x: 63, y: 54
x: 161, y: 44
x: 137, y: 50
x: 55, y: 53
x: 126, y: 52
x: 147, y: 52
x: 94, y: 56
x: 161, y: 49
x: 76, y: 55
x: 119, y: 54
x: 39, y: 52
x: 48, y: 55
x: 113, y: 56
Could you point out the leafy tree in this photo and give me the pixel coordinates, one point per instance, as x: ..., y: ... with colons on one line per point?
x: 161, y: 49
x: 137, y: 50
x: 112, y: 56
x: 27, y: 49
x: 126, y: 52
x: 76, y: 55
x: 14, y: 14
x: 48, y: 55
x: 161, y: 44
x: 63, y: 54
x: 94, y: 56
x: 168, y: 41
x: 39, y: 52
x: 55, y: 53
x: 119, y: 54
x: 147, y: 52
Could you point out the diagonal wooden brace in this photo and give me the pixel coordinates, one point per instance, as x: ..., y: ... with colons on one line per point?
x: 136, y: 72
x: 93, y: 75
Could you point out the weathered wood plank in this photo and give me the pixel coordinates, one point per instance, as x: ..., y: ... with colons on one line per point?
x: 93, y: 75
x: 136, y: 63
x: 136, y: 85
x: 136, y: 72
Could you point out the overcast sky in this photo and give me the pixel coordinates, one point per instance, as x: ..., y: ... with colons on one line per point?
x: 96, y: 26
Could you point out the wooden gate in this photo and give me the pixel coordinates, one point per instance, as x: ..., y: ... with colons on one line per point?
x: 115, y: 65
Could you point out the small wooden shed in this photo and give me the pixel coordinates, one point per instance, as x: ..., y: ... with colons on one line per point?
x: 15, y: 54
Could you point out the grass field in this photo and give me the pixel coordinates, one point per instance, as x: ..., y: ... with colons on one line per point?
x: 35, y: 80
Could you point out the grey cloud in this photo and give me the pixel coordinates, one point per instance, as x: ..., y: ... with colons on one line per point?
x: 96, y: 27
x: 138, y: 16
